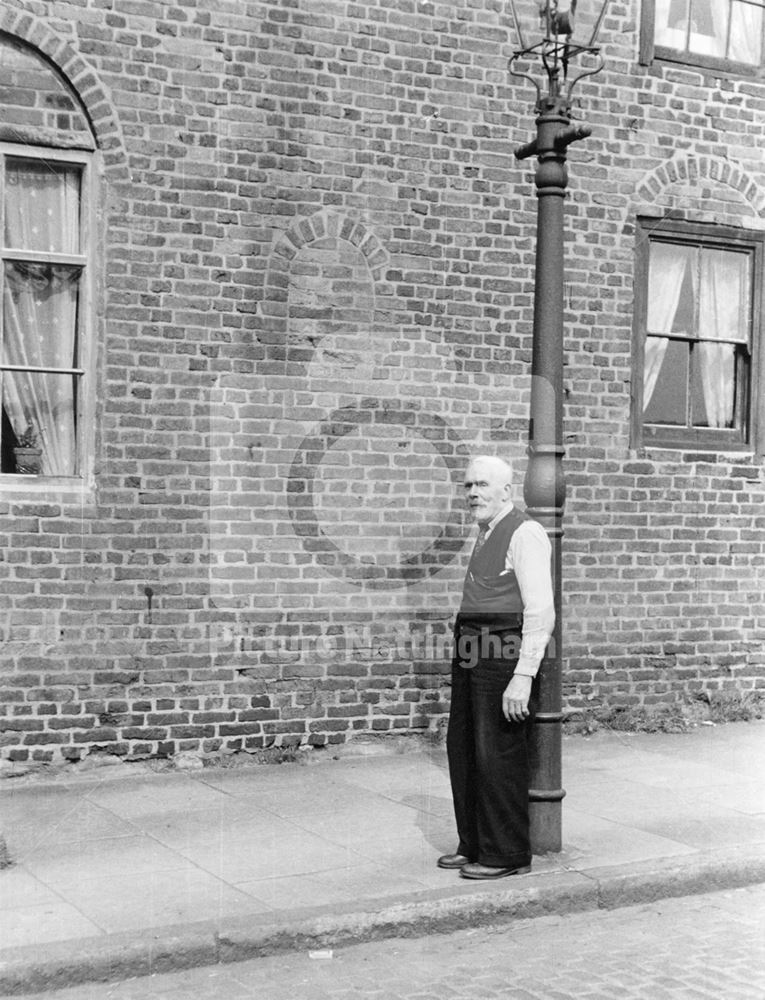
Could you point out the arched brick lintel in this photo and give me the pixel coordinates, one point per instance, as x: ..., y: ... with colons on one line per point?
x: 687, y: 168
x: 80, y: 76
x: 321, y: 225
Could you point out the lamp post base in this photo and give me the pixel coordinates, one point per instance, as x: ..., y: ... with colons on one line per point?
x: 545, y: 822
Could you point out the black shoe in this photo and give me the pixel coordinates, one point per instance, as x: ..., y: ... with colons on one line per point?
x: 452, y: 861
x: 486, y: 871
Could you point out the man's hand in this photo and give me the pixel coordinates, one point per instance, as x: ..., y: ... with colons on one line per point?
x: 515, y: 699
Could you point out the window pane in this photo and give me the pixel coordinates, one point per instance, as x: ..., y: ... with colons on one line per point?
x: 672, y: 23
x: 709, y: 27
x: 42, y: 206
x: 40, y: 306
x: 665, y: 385
x: 670, y: 289
x: 746, y: 33
x: 724, y: 296
x: 46, y: 404
x: 40, y: 315
x: 713, y: 385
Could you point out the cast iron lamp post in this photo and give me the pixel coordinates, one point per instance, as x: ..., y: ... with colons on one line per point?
x: 544, y: 486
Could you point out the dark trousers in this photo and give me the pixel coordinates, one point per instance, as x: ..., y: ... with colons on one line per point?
x: 489, y: 767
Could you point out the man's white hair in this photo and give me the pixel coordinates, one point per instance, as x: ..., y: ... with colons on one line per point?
x: 499, y: 467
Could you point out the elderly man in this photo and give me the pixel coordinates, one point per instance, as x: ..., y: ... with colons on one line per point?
x: 503, y: 626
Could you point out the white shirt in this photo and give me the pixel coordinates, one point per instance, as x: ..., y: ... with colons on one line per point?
x: 528, y: 556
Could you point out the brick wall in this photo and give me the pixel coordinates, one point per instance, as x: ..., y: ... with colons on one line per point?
x: 315, y: 302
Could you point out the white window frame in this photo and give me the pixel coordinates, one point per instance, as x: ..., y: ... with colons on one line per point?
x: 85, y: 363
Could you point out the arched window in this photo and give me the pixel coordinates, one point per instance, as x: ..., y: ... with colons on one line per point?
x: 46, y: 152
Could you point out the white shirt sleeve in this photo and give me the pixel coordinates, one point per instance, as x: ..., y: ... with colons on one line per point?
x: 528, y: 556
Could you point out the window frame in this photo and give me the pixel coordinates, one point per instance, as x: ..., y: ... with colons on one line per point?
x: 750, y: 436
x: 84, y: 161
x: 649, y: 51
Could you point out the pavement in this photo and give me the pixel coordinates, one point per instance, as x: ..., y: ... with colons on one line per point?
x: 126, y: 871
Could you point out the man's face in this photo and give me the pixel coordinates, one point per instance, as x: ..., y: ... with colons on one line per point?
x: 486, y: 490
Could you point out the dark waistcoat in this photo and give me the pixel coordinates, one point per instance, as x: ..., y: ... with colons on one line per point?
x: 491, y: 598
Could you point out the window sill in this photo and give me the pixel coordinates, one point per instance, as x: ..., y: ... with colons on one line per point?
x: 55, y: 488
x: 708, y: 64
x: 716, y: 449
x: 684, y: 451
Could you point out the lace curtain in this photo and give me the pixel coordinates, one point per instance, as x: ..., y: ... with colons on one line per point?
x: 40, y: 310
x: 744, y: 41
x: 668, y: 263
x: 723, y: 292
x: 746, y: 33
x: 720, y: 286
